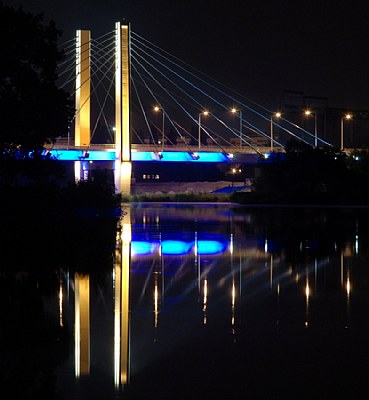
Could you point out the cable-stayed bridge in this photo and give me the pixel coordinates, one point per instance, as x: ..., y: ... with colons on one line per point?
x: 135, y: 102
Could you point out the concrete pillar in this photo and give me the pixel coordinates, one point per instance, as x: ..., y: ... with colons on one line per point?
x: 82, y: 135
x: 123, y: 168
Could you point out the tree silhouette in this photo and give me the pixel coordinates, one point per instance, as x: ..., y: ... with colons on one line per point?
x: 34, y: 110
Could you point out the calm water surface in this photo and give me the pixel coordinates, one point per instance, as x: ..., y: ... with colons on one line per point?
x: 219, y: 301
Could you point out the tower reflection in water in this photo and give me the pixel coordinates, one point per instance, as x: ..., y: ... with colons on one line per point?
x: 218, y: 266
x: 82, y: 324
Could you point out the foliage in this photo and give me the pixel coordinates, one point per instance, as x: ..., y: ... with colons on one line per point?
x: 175, y: 197
x: 310, y: 175
x: 32, y: 106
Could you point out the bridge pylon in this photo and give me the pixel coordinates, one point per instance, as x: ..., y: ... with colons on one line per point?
x: 123, y: 163
x: 82, y: 132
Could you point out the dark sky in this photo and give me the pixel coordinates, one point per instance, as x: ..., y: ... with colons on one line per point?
x: 257, y: 47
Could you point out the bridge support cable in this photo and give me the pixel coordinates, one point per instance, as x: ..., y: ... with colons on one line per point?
x: 265, y: 114
x: 202, y: 92
x: 227, y: 127
x: 155, y: 97
x: 166, y: 91
x: 101, y: 112
x: 144, y: 114
x: 173, y: 98
x: 103, y: 65
x: 194, y: 76
x: 239, y: 136
x: 192, y: 85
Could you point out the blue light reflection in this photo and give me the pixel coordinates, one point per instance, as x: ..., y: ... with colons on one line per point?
x: 178, y: 247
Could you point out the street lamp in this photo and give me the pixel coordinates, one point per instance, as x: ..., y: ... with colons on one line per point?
x: 157, y: 109
x: 276, y: 115
x: 199, y: 134
x: 233, y: 111
x: 344, y: 117
x: 307, y: 113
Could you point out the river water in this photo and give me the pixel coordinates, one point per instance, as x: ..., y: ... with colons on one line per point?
x: 220, y: 301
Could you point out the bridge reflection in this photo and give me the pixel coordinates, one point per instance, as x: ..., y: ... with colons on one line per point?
x: 159, y: 269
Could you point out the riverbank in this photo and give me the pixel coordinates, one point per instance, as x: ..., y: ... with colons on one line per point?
x: 185, y: 187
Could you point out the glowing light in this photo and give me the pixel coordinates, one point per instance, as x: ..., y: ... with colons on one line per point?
x: 179, y: 247
x: 75, y: 155
x: 61, y: 304
x: 348, y: 286
x: 233, y: 294
x: 156, y: 298
x: 175, y: 247
x: 233, y: 304
x: 307, y: 291
x: 205, y: 301
x: 109, y: 155
x: 140, y: 248
x: 210, y: 247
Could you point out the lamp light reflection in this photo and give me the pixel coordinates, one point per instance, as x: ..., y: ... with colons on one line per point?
x: 156, y: 297
x: 61, y: 303
x: 307, y: 296
x: 233, y: 304
x: 205, y: 301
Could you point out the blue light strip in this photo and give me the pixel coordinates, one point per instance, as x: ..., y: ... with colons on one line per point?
x: 80, y: 155
x: 109, y: 155
x: 181, y: 156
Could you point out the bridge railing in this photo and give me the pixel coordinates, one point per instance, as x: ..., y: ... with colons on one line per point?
x: 68, y: 144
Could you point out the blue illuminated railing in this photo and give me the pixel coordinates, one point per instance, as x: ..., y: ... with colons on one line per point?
x: 165, y: 156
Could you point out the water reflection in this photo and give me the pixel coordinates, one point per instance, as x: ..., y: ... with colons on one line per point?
x: 82, y: 324
x: 229, y: 275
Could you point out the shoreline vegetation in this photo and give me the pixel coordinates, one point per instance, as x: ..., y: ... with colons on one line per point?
x: 302, y: 176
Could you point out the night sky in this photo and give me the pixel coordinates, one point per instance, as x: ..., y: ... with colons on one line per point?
x: 257, y: 47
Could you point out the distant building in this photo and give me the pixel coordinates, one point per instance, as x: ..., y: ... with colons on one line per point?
x: 329, y: 119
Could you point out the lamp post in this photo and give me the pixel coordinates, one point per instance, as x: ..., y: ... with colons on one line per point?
x: 307, y: 113
x: 199, y: 133
x: 276, y: 115
x: 345, y: 117
x: 233, y: 111
x: 157, y: 109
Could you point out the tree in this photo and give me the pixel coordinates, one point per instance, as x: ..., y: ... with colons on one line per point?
x: 34, y: 111
x: 304, y: 173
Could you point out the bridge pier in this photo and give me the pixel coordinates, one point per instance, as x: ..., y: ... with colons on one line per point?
x: 123, y: 176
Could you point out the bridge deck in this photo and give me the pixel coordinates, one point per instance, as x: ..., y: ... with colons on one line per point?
x: 62, y: 144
